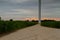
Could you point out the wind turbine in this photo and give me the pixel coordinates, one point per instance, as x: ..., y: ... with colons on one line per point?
x: 39, y: 11
x: 39, y: 18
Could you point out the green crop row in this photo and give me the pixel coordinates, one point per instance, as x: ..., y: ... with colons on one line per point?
x: 53, y: 24
x: 7, y: 26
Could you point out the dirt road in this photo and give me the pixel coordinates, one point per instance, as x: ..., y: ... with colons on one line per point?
x: 36, y: 32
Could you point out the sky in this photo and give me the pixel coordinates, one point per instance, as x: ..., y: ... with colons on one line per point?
x: 50, y: 8
x: 18, y: 9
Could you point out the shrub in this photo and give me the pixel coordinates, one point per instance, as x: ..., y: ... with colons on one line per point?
x: 53, y: 24
x: 7, y: 26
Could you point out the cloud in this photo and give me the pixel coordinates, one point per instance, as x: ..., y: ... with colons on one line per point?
x: 18, y: 8
x: 19, y: 13
x: 16, y: 1
x: 5, y: 4
x: 50, y: 8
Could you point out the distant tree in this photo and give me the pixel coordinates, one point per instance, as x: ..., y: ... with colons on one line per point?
x: 33, y: 20
x: 36, y: 21
x: 0, y: 18
x: 49, y: 20
x: 11, y: 19
x: 27, y: 20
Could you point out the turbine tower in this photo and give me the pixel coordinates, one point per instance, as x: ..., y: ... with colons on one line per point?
x: 39, y: 11
x: 39, y: 18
